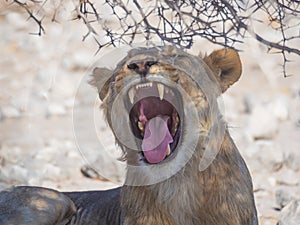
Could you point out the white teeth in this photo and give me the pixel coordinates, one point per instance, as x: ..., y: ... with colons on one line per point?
x: 160, y: 88
x: 141, y: 126
x: 143, y: 85
x: 131, y: 95
x: 177, y: 120
x: 176, y: 125
x: 169, y: 150
x: 175, y: 130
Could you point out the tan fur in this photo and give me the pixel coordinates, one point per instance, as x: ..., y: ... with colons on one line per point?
x: 221, y: 194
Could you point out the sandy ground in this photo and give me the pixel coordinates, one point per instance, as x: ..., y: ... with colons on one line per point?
x: 45, y: 136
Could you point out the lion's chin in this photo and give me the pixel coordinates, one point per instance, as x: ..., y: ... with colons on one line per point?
x: 155, y: 120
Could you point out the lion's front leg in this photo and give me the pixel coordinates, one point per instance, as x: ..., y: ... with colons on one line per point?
x: 35, y: 206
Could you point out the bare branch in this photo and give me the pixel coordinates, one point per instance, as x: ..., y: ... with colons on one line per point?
x: 222, y: 22
x: 33, y: 16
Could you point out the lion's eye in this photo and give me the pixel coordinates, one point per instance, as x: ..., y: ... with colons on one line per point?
x: 148, y: 64
x: 132, y: 66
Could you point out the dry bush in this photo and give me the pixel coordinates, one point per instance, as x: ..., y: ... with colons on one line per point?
x: 226, y: 23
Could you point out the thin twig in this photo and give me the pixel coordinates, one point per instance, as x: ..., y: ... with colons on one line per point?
x: 222, y: 22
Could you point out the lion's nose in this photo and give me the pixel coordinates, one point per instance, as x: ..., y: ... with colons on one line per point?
x: 142, y: 67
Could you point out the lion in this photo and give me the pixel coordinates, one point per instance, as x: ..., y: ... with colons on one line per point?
x: 182, y: 165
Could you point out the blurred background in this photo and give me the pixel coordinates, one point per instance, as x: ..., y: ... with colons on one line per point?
x: 39, y: 81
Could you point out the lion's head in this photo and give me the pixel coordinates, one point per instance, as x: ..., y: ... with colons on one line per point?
x: 160, y: 100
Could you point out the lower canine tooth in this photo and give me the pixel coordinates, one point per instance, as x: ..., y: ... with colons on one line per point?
x: 160, y: 88
x: 140, y: 125
x: 169, y: 150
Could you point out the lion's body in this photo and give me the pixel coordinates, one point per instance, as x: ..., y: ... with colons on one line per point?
x: 178, y: 188
x: 222, y: 194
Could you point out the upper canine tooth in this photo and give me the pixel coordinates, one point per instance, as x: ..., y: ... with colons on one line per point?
x: 160, y: 88
x: 131, y: 94
x: 172, y: 93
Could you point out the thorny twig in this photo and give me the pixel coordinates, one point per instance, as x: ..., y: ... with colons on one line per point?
x: 180, y: 22
x: 32, y: 15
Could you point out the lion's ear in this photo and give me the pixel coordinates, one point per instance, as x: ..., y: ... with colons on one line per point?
x: 100, y: 79
x: 226, y: 66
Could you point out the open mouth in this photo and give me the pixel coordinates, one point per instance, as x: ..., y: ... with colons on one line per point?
x: 155, y: 120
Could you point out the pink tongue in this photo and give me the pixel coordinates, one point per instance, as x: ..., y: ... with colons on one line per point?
x: 156, y: 139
